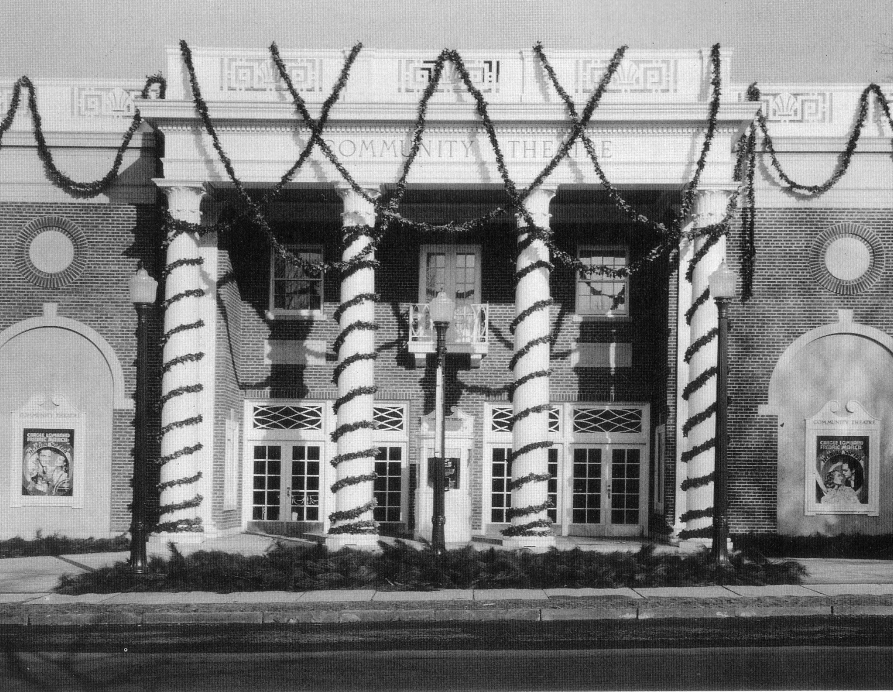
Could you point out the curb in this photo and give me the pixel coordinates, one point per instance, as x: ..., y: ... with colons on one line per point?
x: 319, y: 617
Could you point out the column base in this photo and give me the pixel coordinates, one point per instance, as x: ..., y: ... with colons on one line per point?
x: 356, y: 541
x: 535, y: 544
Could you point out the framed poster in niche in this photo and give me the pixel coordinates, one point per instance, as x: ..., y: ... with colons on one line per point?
x: 842, y: 457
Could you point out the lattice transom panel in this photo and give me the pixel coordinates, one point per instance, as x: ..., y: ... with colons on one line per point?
x: 281, y: 417
x: 501, y: 419
x: 389, y: 418
x: 608, y: 420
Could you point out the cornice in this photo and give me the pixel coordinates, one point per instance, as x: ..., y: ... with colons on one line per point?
x: 167, y: 113
x: 74, y: 139
x: 831, y: 144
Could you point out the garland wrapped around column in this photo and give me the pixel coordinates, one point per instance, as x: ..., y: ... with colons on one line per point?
x: 710, y: 209
x: 530, y: 389
x: 352, y: 521
x: 181, y: 384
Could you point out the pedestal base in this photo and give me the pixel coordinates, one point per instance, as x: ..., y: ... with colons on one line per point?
x: 535, y: 544
x: 356, y: 541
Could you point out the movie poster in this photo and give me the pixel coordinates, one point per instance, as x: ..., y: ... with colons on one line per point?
x: 841, y: 472
x: 47, y: 457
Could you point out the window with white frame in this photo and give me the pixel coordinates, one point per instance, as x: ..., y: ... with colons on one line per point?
x: 454, y: 269
x: 601, y: 293
x: 294, y: 289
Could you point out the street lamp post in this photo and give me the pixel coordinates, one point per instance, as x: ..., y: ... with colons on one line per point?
x: 441, y: 310
x: 722, y: 288
x: 143, y: 290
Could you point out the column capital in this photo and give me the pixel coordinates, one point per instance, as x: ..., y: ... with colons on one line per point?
x: 184, y: 198
x: 537, y: 205
x: 358, y: 210
x: 710, y: 205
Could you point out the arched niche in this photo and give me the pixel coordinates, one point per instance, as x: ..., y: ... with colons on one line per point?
x: 843, y: 361
x: 44, y: 361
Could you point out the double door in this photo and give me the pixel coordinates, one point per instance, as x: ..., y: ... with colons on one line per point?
x: 603, y: 493
x: 595, y: 489
x: 287, y: 482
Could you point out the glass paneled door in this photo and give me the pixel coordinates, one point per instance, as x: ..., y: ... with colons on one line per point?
x: 603, y: 493
x: 455, y: 270
x: 286, y: 482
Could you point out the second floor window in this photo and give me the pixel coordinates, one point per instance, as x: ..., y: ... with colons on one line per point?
x: 455, y: 270
x: 293, y: 289
x: 601, y: 294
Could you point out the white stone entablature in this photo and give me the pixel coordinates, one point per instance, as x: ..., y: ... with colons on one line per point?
x: 400, y: 76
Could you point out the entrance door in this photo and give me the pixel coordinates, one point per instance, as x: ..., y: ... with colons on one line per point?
x: 286, y: 482
x: 603, y: 495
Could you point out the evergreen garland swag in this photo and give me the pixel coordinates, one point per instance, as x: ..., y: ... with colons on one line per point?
x: 251, y: 214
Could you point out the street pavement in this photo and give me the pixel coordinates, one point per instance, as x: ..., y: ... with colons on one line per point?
x: 831, y: 587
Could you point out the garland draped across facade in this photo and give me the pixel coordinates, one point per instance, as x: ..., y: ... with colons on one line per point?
x: 536, y: 252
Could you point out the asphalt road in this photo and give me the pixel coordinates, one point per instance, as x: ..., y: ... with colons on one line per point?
x: 764, y: 653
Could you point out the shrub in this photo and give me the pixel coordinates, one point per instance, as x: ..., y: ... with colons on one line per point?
x: 401, y: 567
x: 55, y: 544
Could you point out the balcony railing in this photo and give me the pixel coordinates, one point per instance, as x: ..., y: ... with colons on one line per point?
x: 468, y: 332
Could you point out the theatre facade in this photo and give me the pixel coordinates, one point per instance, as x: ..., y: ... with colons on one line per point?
x: 577, y: 404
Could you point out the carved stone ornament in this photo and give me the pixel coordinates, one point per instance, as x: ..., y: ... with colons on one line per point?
x: 51, y: 251
x: 847, y: 258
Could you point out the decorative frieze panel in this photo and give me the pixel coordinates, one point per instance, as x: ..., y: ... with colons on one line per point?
x: 103, y: 101
x: 632, y: 77
x: 261, y: 75
x: 796, y: 107
x: 414, y: 76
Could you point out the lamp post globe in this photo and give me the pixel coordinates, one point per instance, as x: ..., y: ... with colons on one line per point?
x: 143, y: 291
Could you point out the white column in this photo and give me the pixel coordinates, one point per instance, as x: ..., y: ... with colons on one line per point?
x: 531, y: 398
x: 683, y: 339
x: 355, y: 460
x: 700, y: 453
x: 186, y: 426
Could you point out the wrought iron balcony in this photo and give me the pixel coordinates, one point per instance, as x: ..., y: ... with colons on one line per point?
x: 469, y: 332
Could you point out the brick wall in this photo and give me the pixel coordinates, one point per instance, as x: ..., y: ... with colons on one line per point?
x: 397, y: 282
x: 786, y: 304
x: 118, y: 237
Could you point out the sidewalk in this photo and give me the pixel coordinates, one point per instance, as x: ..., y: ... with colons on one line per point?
x: 833, y: 587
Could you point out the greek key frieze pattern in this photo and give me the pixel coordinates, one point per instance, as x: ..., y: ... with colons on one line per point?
x: 259, y: 74
x: 632, y: 77
x: 797, y: 107
x: 414, y: 76
x: 103, y: 101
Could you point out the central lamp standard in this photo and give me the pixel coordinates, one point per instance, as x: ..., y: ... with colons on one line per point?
x: 143, y: 289
x: 441, y: 310
x: 722, y: 287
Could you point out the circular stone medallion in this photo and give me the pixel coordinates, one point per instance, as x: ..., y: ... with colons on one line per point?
x: 51, y: 252
x: 847, y: 258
